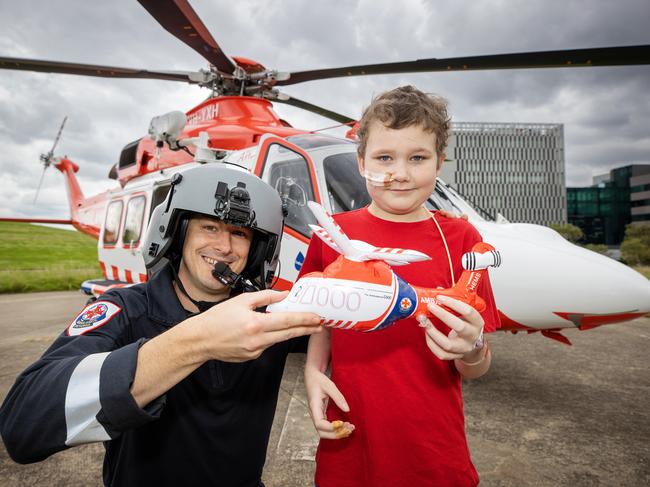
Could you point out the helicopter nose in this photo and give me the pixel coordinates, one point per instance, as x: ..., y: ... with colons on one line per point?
x: 547, y: 282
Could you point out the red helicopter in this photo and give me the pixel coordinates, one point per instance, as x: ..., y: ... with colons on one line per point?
x: 237, y: 125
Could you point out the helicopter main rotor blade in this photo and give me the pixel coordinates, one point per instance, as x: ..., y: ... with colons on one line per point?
x: 43, y: 66
x: 568, y: 58
x: 316, y: 109
x: 179, y: 19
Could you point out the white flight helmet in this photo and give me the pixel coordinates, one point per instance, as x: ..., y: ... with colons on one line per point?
x: 222, y: 191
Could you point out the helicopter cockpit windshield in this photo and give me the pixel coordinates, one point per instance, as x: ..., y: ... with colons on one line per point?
x: 288, y: 172
x: 346, y: 188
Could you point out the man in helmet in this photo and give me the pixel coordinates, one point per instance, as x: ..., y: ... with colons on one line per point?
x: 178, y: 376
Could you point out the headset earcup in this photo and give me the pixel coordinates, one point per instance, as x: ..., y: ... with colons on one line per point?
x: 254, y: 269
x: 179, y: 238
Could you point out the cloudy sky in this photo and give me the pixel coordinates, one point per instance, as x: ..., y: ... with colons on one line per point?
x: 605, y: 111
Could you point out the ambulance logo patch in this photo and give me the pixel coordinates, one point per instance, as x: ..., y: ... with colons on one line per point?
x: 405, y: 305
x: 93, y: 316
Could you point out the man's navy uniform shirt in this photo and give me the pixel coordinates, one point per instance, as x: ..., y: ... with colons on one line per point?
x: 210, y: 429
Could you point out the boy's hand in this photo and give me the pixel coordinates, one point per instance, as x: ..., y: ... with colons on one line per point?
x: 453, y: 214
x: 465, y: 329
x: 319, y: 390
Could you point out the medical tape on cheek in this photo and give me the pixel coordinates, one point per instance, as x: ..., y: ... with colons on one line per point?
x: 381, y: 180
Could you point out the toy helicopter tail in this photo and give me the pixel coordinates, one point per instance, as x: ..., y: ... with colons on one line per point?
x: 482, y: 256
x: 475, y: 265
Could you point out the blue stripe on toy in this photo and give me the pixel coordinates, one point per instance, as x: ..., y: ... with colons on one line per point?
x: 404, y: 306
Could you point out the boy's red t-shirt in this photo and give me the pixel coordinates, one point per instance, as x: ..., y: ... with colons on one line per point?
x: 406, y: 404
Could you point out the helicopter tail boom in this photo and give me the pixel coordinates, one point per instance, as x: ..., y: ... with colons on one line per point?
x: 81, y: 215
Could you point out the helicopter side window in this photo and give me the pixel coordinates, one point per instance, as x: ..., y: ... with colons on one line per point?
x: 346, y: 188
x: 133, y: 220
x: 290, y: 177
x: 128, y: 154
x: 112, y: 223
x: 446, y: 198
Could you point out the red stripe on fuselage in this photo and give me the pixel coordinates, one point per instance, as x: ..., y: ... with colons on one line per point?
x: 282, y: 284
x: 508, y: 324
x: 586, y: 321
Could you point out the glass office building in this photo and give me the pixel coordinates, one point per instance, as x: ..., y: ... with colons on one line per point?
x: 515, y: 169
x: 640, y: 195
x: 616, y: 199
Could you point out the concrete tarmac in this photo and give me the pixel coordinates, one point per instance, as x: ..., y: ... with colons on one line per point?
x: 545, y: 415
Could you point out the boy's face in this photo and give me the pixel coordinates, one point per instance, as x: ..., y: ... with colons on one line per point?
x: 409, y: 156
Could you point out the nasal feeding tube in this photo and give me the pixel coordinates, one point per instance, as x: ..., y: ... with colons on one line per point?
x: 378, y: 179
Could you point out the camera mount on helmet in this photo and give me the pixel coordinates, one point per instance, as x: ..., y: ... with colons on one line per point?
x: 233, y: 206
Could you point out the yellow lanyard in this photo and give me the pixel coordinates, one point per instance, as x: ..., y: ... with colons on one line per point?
x: 444, y: 241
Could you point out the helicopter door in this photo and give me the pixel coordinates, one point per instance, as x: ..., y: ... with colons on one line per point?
x: 289, y: 170
x: 119, y: 253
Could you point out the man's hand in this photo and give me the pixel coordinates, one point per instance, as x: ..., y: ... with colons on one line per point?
x: 319, y: 390
x: 233, y: 332
x: 230, y: 331
x: 465, y: 330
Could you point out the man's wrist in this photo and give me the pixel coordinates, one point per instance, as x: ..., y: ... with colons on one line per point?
x: 192, y: 340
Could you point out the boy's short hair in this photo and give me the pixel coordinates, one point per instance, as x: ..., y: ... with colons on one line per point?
x: 403, y: 107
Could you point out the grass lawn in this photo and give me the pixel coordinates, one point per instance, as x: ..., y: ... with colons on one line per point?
x: 37, y: 258
x: 643, y: 269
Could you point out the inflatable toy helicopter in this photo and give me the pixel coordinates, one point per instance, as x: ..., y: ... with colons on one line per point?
x: 575, y: 288
x: 359, y: 291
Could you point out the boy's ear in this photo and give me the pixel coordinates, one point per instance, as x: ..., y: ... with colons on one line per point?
x: 441, y: 159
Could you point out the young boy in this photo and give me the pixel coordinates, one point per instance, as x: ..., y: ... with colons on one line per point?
x: 396, y: 412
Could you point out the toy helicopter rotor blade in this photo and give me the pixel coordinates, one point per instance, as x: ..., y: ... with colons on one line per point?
x: 566, y: 58
x: 325, y: 237
x: 333, y: 230
x: 179, y: 19
x: 96, y: 70
x: 401, y: 256
x: 316, y: 109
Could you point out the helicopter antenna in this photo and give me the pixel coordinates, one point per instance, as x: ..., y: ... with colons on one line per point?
x: 46, y: 159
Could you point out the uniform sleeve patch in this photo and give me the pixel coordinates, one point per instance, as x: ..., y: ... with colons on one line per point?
x: 92, y: 317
